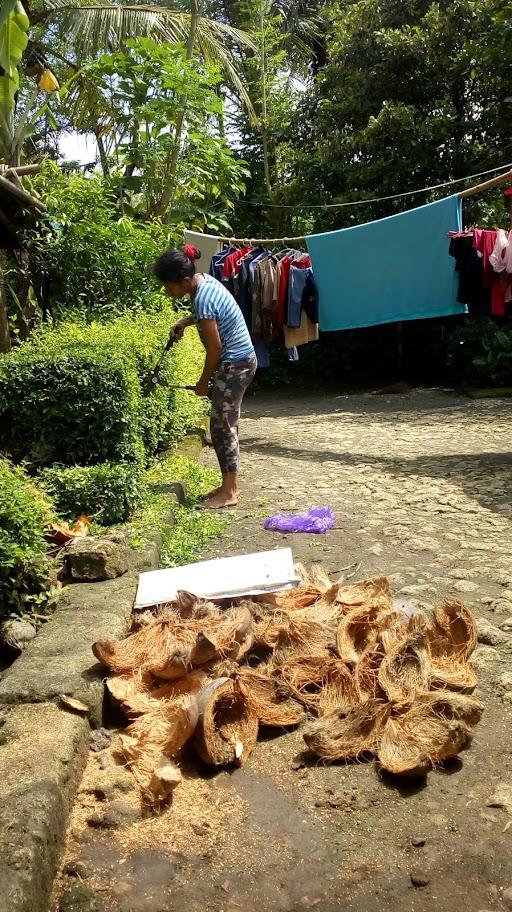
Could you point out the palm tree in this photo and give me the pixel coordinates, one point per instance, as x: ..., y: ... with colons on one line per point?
x: 92, y: 26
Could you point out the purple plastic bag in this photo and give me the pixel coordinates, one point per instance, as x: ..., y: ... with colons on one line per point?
x: 317, y: 520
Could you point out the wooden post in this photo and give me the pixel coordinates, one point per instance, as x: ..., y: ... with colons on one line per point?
x: 5, y: 335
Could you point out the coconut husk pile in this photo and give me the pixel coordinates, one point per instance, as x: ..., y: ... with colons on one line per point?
x: 207, y: 678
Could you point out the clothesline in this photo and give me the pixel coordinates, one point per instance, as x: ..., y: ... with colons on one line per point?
x: 464, y: 194
x: 382, y: 199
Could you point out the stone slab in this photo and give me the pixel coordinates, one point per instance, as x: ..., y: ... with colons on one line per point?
x: 43, y: 750
x: 60, y: 660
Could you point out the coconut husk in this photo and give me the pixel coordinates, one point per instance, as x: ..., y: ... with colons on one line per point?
x: 413, y: 742
x: 366, y: 672
x: 134, y: 697
x: 155, y: 644
x: 349, y: 732
x: 168, y: 646
x: 269, y: 699
x: 321, y: 682
x: 444, y: 704
x: 405, y: 669
x: 451, y: 673
x: 227, y: 729
x: 154, y: 738
x: 228, y: 637
x: 361, y: 626
x: 293, y: 599
x: 455, y: 630
x: 359, y: 594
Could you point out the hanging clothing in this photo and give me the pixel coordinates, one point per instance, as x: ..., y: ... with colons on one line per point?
x: 389, y: 270
x: 497, y: 258
x: 489, y: 242
x: 217, y: 263
x: 484, y: 240
x: 296, y: 291
x: 307, y: 332
x: 469, y: 267
x: 206, y: 243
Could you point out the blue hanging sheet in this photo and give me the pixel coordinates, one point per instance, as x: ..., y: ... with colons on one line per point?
x: 396, y: 268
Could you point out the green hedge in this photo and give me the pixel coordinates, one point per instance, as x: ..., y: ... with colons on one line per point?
x: 108, y: 492
x: 72, y: 399
x: 24, y: 512
x: 73, y: 395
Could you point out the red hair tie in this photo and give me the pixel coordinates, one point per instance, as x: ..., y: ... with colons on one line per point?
x: 191, y: 252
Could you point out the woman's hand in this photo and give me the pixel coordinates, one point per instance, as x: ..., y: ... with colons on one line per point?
x: 201, y: 389
x: 178, y: 330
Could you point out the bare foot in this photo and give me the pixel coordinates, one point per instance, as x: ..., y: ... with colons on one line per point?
x: 220, y: 501
x: 210, y: 493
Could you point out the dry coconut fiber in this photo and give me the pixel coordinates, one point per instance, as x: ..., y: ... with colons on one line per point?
x: 210, y: 675
x: 269, y: 699
x: 416, y: 740
x: 227, y: 728
x: 153, y: 739
x: 349, y: 732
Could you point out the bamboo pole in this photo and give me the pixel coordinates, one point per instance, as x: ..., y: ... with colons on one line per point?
x: 21, y: 195
x: 487, y: 185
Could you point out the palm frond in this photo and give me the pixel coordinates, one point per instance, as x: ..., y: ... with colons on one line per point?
x: 93, y: 27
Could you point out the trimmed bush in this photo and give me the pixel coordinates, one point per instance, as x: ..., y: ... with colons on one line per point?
x: 109, y: 492
x: 73, y: 395
x: 24, y: 512
x: 72, y: 406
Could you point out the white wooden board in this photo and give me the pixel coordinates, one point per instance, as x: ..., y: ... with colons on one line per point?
x: 228, y: 577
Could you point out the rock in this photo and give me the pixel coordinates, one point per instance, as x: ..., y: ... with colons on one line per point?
x: 16, y: 634
x: 118, y: 815
x: 504, y: 684
x: 80, y: 898
x: 485, y: 657
x: 93, y: 559
x: 501, y: 606
x: 200, y: 829
x: 465, y: 585
x: 502, y: 797
x: 298, y: 762
x: 418, y: 841
x: 507, y: 898
x: 459, y: 574
x: 75, y: 869
x: 419, y: 878
x: 100, y: 739
x: 506, y: 625
x: 489, y: 634
x: 103, y: 792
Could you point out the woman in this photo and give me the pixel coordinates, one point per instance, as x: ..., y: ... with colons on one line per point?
x: 230, y: 357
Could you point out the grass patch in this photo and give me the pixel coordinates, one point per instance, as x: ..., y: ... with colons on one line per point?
x: 192, y: 528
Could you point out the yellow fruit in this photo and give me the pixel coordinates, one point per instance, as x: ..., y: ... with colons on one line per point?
x: 48, y: 82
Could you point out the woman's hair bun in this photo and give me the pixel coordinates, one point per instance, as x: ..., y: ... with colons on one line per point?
x: 191, y: 252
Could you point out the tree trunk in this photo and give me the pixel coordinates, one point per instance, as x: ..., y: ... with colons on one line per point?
x: 5, y: 335
x: 167, y: 198
x: 105, y: 167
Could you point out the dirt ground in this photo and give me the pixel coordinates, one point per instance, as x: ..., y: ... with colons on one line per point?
x: 422, y: 489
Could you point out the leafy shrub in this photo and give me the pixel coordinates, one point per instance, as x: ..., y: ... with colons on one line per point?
x: 480, y: 353
x: 109, y: 491
x: 69, y: 401
x: 73, y: 395
x: 90, y: 261
x: 72, y: 398
x: 24, y: 513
